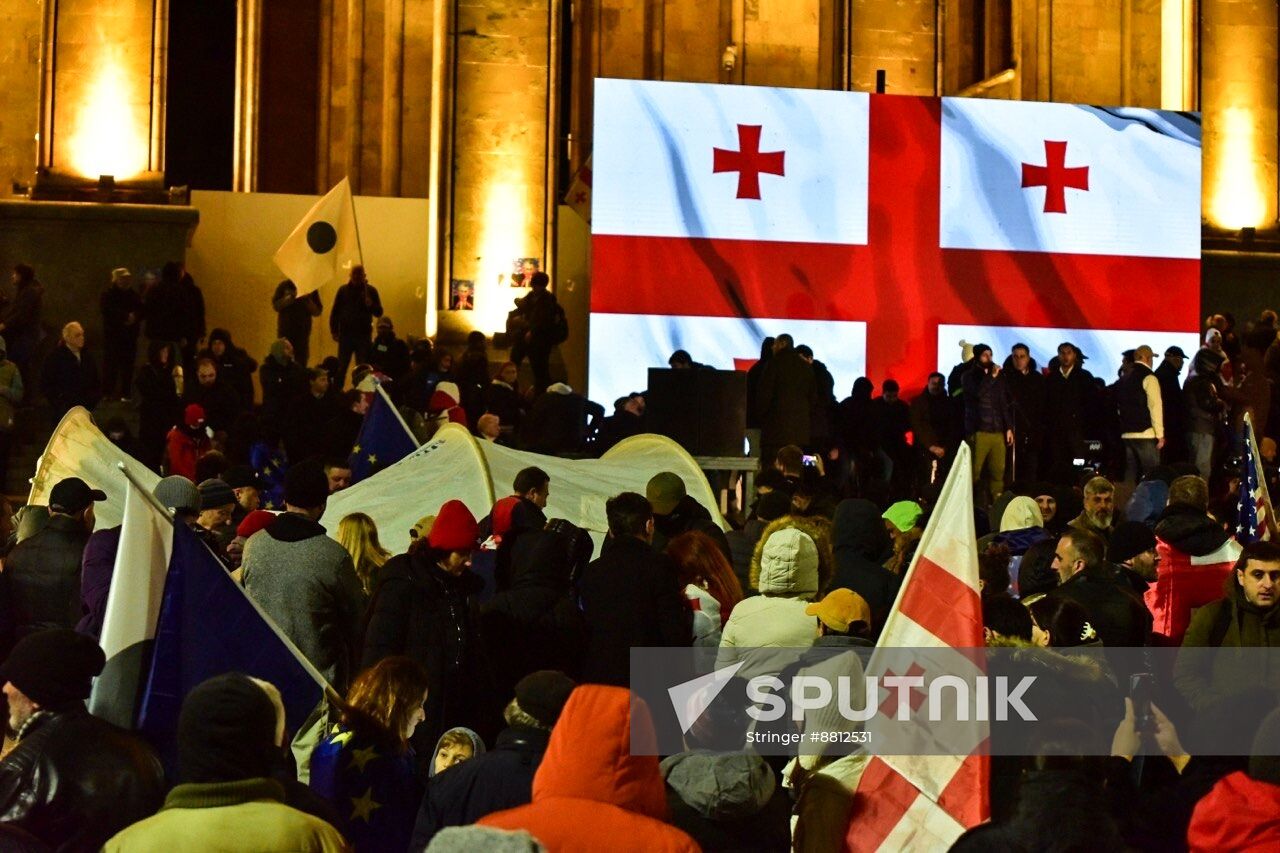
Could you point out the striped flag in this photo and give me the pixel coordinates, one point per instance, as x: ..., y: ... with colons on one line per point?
x: 925, y: 802
x: 1255, y: 519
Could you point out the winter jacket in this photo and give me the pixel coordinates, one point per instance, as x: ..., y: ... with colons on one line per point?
x: 786, y: 568
x: 536, y: 623
x: 281, y: 382
x: 501, y: 778
x: 96, y: 567
x: 1026, y: 392
x: 121, y: 314
x: 346, y: 765
x: 1231, y: 622
x: 421, y: 611
x: 1140, y: 406
x: 351, y: 317
x: 1195, y: 554
x: 42, y: 577
x: 559, y: 422
x: 390, y: 355
x: 221, y: 404
x: 606, y: 794
x: 161, y: 407
x: 235, y: 367
x: 74, y: 780
x: 69, y: 380
x: 630, y: 598
x: 1173, y: 404
x: 785, y: 399
x: 1205, y: 393
x: 1148, y: 502
x: 742, y: 544
x: 294, y: 313
x: 986, y: 402
x: 185, y: 447
x: 1114, y: 611
x: 1068, y: 400
x: 688, y: 515
x: 1239, y: 814
x: 933, y: 421
x: 861, y: 545
x: 306, y: 582
x: 727, y: 801
x: 249, y: 814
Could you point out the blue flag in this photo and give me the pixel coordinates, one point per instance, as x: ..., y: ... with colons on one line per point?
x: 384, y: 440
x: 208, y: 626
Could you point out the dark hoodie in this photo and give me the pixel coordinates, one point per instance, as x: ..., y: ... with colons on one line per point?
x: 861, y: 544
x: 1204, y: 392
x: 688, y: 515
x: 727, y: 800
x: 235, y: 367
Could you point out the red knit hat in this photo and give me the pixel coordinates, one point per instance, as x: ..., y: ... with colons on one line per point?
x: 257, y: 520
x: 455, y: 528
x: 193, y: 415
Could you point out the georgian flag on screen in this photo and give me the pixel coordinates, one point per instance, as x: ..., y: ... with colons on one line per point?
x: 880, y: 230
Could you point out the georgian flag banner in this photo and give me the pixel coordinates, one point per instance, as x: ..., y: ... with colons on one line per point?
x: 879, y: 220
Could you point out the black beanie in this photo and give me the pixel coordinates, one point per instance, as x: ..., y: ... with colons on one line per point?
x: 227, y: 731
x: 54, y: 667
x: 1128, y: 540
x: 542, y: 694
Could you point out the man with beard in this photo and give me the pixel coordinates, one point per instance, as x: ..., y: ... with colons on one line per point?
x: 1246, y: 617
x: 1099, y: 508
x: 1085, y: 578
x: 988, y: 421
x: 1026, y: 389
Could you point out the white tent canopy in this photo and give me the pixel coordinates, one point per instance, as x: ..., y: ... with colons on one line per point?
x: 454, y: 465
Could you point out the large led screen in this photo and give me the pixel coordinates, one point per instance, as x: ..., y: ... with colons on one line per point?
x: 883, y: 230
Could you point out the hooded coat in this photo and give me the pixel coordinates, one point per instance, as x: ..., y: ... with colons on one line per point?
x: 688, y: 515
x: 591, y: 790
x: 1231, y: 622
x: 501, y: 778
x: 1240, y: 813
x: 727, y: 801
x: 861, y: 545
x: 1183, y: 582
x: 786, y: 569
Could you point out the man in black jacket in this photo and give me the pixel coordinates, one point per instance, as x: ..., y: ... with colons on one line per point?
x: 42, y: 573
x: 70, y: 376
x: 72, y: 780
x: 351, y: 320
x: 1119, y: 617
x: 630, y: 595
x: 1175, y: 407
x: 538, y: 312
x: 933, y: 424
x: 674, y: 512
x: 1068, y: 393
x: 1026, y: 390
x: 501, y: 778
x: 121, y: 315
x: 785, y: 400
x: 294, y: 314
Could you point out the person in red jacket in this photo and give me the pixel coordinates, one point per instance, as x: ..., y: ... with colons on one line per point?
x: 187, y: 442
x: 1242, y: 811
x: 591, y: 792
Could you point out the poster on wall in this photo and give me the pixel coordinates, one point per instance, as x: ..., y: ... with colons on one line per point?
x: 522, y: 272
x: 462, y: 294
x: 882, y: 230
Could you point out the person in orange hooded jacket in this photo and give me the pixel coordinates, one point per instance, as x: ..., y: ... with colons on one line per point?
x: 1242, y: 812
x: 591, y: 790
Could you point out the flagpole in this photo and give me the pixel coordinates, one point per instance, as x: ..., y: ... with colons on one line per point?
x: 1260, y: 472
x: 145, y: 492
x: 377, y: 386
x: 354, y: 220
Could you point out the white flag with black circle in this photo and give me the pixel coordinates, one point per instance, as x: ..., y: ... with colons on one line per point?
x: 324, y: 244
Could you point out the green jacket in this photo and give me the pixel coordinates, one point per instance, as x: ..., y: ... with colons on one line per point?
x: 1232, y: 626
x: 248, y: 815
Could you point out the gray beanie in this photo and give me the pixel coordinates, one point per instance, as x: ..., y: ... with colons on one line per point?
x: 177, y: 493
x: 465, y: 839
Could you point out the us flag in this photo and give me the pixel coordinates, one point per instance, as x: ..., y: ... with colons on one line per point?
x: 1254, y: 516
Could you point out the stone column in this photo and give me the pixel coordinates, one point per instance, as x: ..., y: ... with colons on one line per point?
x: 1240, y: 50
x: 102, y: 91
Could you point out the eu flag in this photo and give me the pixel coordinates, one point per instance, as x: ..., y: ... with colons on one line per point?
x: 208, y: 626
x: 384, y: 439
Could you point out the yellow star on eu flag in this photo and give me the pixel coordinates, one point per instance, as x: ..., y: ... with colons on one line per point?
x: 373, y: 459
x: 362, y: 807
x: 361, y: 757
x: 356, y: 450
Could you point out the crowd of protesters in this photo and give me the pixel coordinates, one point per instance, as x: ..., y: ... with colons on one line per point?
x: 484, y: 672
